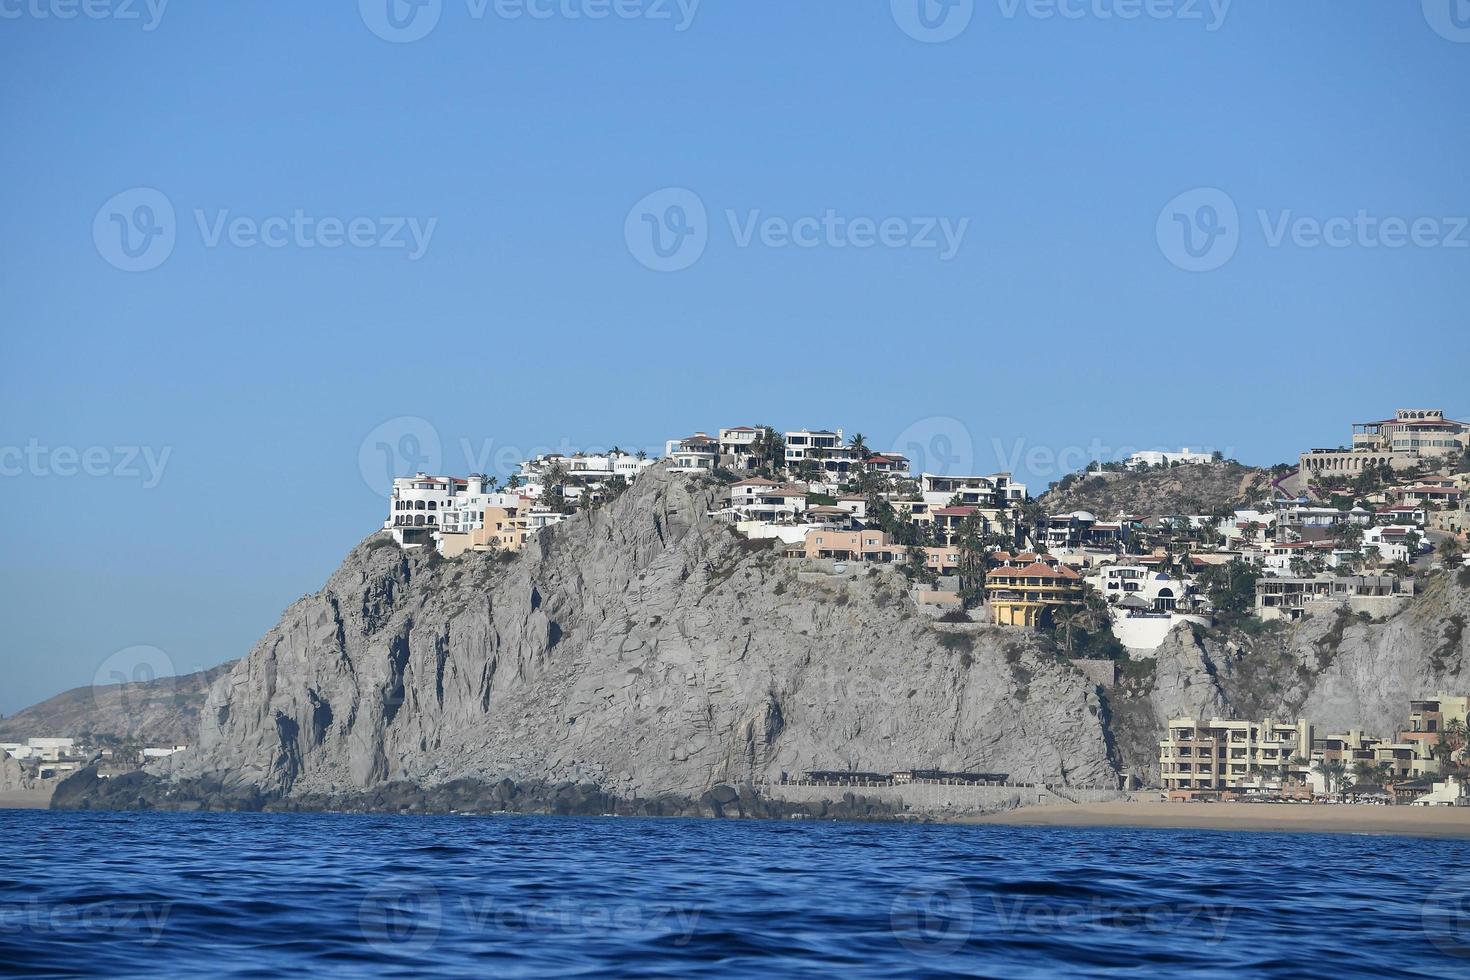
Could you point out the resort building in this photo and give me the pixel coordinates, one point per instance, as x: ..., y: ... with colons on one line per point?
x: 1431, y: 718
x: 1031, y: 596
x: 1227, y: 756
x: 1412, y: 435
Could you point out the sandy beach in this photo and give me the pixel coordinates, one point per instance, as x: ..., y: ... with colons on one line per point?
x: 1291, y: 818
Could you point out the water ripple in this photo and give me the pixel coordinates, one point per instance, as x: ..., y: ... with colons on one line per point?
x: 249, y: 895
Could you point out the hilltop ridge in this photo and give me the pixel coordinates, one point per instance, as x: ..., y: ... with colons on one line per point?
x: 1200, y: 488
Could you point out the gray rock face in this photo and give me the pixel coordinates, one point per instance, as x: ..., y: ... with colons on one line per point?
x: 1335, y: 669
x: 1366, y: 673
x: 643, y: 648
x: 13, y: 778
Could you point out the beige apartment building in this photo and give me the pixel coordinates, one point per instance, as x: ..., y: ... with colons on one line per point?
x: 1219, y: 756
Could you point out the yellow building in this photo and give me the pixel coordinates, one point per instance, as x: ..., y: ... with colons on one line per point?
x: 1222, y: 756
x: 1032, y: 595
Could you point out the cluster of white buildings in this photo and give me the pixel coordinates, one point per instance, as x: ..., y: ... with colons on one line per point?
x: 48, y: 757
x: 816, y: 490
x: 476, y: 513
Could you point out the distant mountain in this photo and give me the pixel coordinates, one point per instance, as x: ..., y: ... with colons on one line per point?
x: 156, y: 712
x: 1187, y: 489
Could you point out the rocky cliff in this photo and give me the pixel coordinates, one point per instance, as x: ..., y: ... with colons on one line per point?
x: 642, y: 647
x: 13, y: 778
x: 1339, y: 670
x: 644, y: 651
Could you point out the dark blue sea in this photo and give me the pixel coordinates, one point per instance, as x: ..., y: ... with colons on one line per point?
x: 262, y: 895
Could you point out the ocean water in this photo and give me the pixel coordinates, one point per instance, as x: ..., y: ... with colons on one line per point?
x: 264, y: 894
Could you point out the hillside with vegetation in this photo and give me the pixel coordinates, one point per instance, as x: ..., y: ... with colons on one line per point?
x: 1205, y: 488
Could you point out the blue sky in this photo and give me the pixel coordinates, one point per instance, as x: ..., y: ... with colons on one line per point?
x: 1060, y: 151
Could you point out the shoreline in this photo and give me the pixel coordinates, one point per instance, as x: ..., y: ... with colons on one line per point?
x: 1342, y: 818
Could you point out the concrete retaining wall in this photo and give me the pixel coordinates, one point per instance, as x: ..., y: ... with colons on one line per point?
x: 941, y: 798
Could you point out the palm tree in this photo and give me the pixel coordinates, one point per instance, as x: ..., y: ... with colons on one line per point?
x: 1364, y: 772
x: 1070, y: 619
x: 859, y: 445
x: 1457, y: 733
x: 1332, y: 774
